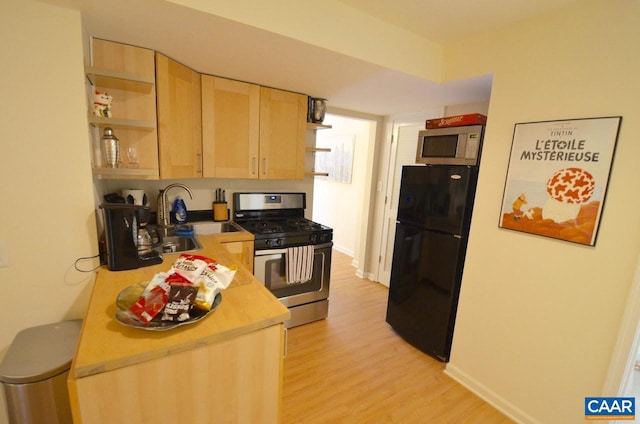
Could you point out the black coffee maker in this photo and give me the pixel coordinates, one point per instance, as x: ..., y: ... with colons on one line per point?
x: 122, y: 223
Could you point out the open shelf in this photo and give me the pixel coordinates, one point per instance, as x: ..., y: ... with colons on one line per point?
x: 315, y: 126
x: 120, y: 80
x: 126, y: 173
x: 100, y: 121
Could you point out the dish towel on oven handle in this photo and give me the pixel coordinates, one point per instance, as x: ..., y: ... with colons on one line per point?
x: 299, y: 264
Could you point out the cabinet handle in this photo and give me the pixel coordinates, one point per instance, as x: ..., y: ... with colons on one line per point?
x: 286, y: 340
x: 253, y: 166
x: 264, y: 166
x: 199, y: 163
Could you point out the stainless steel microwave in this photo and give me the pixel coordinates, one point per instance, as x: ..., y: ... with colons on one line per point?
x: 450, y: 146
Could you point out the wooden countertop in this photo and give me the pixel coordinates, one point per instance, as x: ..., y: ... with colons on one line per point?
x: 105, y: 344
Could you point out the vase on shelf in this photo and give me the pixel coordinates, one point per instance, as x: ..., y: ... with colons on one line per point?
x: 317, y: 109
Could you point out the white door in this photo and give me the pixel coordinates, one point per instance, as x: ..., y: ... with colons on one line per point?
x: 403, y: 152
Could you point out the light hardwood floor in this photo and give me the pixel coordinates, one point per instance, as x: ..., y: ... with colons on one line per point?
x: 352, y: 367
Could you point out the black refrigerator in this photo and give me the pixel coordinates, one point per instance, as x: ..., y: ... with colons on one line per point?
x: 434, y: 215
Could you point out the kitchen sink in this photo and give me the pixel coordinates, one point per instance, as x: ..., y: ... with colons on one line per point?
x: 179, y: 243
x: 175, y: 242
x: 210, y: 227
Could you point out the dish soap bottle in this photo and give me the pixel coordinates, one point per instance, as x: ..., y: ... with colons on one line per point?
x: 179, y: 210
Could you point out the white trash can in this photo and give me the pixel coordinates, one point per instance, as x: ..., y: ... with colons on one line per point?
x: 34, y: 373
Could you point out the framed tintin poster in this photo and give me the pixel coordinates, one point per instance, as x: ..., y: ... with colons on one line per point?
x: 557, y: 177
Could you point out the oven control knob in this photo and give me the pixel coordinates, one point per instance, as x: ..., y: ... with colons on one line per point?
x: 274, y: 242
x: 313, y: 238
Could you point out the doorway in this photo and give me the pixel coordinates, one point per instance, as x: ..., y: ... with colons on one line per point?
x: 341, y: 199
x: 401, y: 151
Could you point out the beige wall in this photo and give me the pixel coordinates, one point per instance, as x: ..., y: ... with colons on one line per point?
x: 46, y: 217
x: 536, y: 328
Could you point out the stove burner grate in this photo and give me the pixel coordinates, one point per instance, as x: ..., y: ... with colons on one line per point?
x: 264, y: 227
x: 303, y: 224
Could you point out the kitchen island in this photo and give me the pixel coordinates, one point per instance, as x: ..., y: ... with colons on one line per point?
x: 226, y: 367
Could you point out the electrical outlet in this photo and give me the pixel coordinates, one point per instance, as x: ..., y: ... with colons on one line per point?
x: 4, y: 254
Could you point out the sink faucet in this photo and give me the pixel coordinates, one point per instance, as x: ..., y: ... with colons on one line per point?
x: 163, y: 208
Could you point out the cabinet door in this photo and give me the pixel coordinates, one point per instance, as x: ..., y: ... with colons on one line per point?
x: 179, y: 119
x: 238, y: 380
x: 282, y: 134
x: 230, y: 128
x: 242, y: 251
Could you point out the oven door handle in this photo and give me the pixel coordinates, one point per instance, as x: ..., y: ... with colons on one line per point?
x: 283, y: 251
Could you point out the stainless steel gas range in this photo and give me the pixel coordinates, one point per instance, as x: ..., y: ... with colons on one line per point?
x: 292, y: 256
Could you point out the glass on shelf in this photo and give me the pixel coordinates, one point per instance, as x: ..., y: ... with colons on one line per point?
x: 132, y: 156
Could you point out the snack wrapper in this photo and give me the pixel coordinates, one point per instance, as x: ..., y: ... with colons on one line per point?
x: 179, y: 303
x: 211, y: 281
x: 150, y: 305
x: 155, y: 281
x: 190, y: 266
x: 177, y: 279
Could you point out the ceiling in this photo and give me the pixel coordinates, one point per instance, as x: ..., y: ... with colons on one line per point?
x: 443, y: 21
x: 218, y: 46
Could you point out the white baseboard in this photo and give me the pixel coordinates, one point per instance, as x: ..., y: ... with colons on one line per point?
x: 367, y: 275
x: 343, y: 250
x: 489, y: 396
x: 354, y: 263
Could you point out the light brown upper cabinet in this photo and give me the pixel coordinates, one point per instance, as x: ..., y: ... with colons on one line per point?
x: 283, y: 123
x: 179, y: 119
x: 188, y: 125
x: 250, y: 131
x: 230, y: 128
x: 127, y: 74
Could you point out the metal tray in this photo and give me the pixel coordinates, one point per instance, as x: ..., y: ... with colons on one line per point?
x: 131, y: 294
